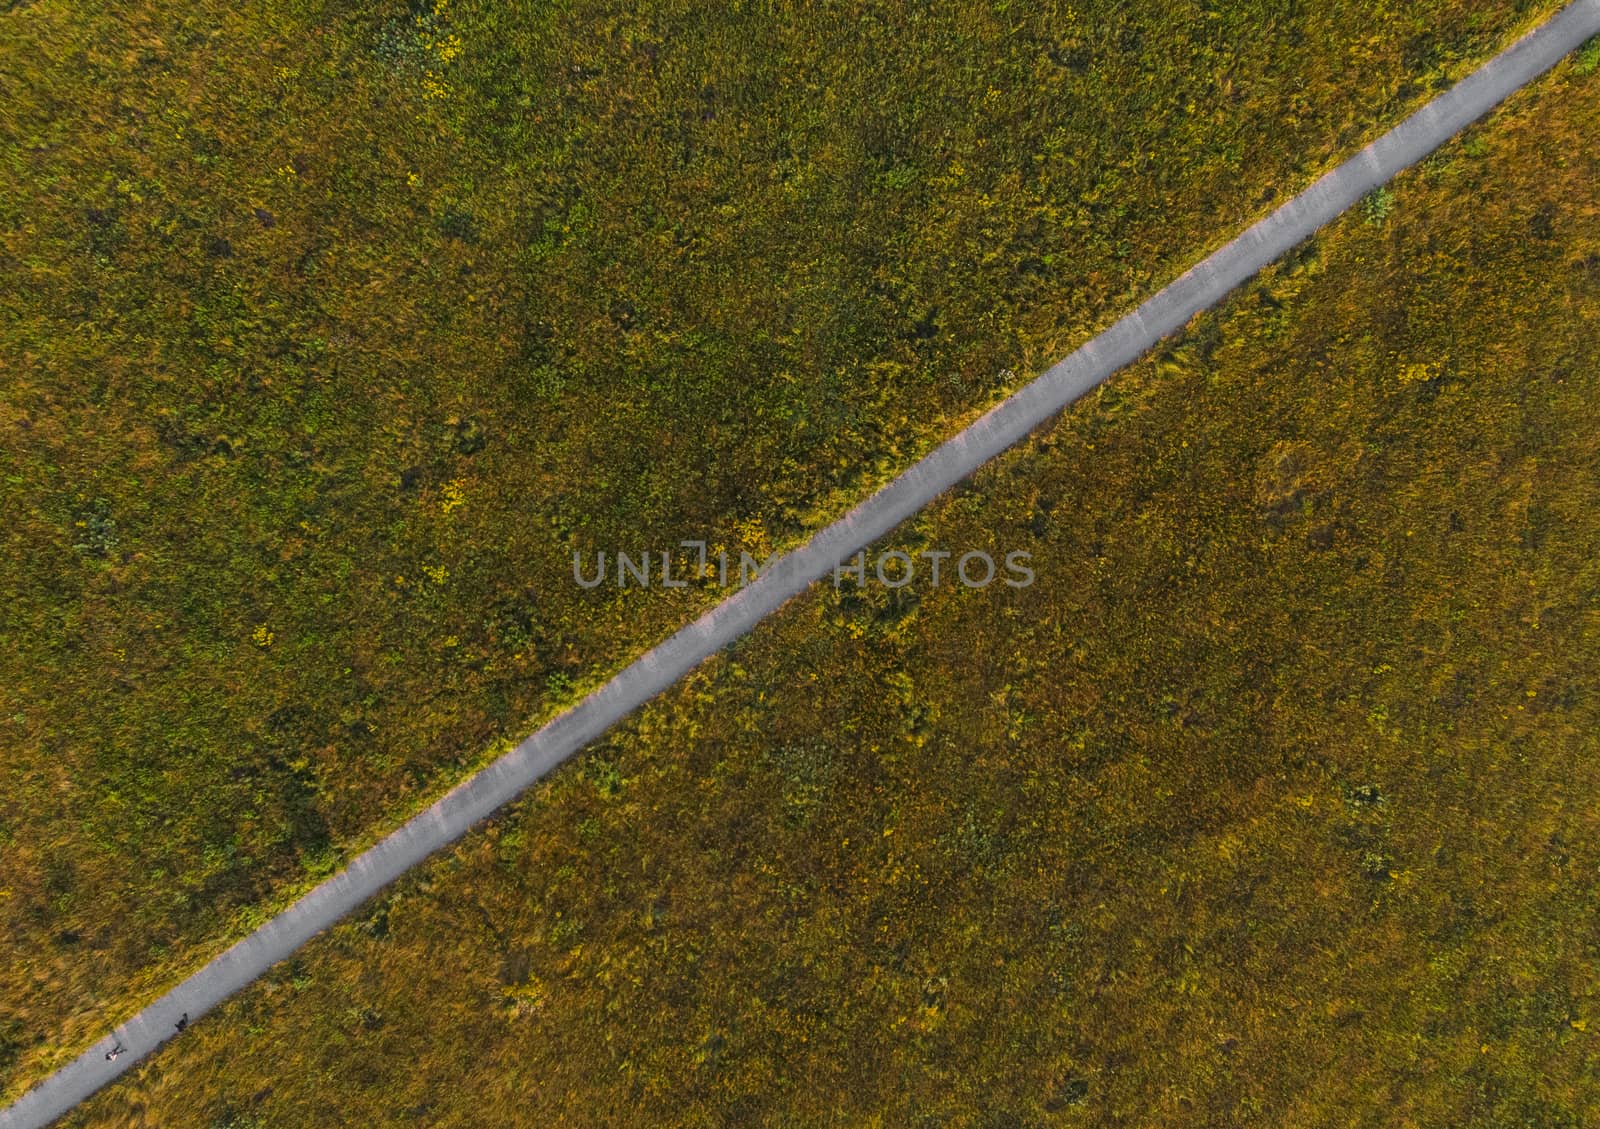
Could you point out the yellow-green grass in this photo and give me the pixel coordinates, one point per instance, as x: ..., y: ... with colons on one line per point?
x: 1272, y: 802
x: 327, y: 333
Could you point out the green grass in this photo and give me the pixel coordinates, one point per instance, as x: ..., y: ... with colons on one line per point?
x: 329, y: 332
x: 1271, y: 802
x: 1588, y: 58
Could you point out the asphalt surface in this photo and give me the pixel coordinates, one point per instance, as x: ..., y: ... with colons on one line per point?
x: 1003, y: 426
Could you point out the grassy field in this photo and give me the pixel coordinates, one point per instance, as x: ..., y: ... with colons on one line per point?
x: 1271, y: 802
x: 330, y: 332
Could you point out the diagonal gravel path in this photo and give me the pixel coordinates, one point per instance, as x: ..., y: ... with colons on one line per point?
x: 502, y: 781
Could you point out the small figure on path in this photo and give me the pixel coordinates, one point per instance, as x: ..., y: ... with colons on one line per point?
x: 183, y: 1021
x: 112, y: 1054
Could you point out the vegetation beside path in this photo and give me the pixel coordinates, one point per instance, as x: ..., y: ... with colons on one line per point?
x: 328, y: 332
x: 1272, y: 801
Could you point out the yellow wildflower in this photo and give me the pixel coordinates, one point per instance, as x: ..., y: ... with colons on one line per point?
x: 432, y: 87
x: 452, y: 496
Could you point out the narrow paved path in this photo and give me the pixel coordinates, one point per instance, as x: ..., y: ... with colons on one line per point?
x: 474, y: 799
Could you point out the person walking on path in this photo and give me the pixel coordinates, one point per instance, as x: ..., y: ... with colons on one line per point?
x: 111, y: 1055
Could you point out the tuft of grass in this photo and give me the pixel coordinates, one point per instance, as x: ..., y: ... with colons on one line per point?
x: 1588, y: 58
x: 1378, y: 205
